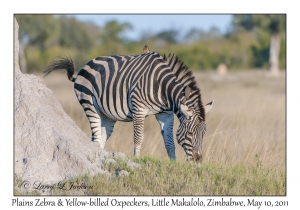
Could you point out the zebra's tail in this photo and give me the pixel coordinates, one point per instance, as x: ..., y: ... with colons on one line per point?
x: 65, y: 63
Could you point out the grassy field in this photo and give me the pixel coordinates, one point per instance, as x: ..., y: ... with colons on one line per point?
x: 161, y: 176
x: 247, y: 120
x: 244, y: 147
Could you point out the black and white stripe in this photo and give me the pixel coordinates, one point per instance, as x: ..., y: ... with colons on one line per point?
x: 129, y: 88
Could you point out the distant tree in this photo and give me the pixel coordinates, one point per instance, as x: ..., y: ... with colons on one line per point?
x: 112, y: 37
x: 76, y: 34
x: 212, y: 33
x: 113, y: 31
x: 38, y: 30
x: 192, y: 35
x: 35, y: 30
x: 146, y: 36
x: 273, y: 24
x: 195, y: 34
x: 39, y: 34
x: 169, y: 36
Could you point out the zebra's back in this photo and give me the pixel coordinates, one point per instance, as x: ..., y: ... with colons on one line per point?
x: 111, y: 80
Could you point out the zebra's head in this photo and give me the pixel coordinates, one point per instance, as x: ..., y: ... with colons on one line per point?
x: 192, y: 128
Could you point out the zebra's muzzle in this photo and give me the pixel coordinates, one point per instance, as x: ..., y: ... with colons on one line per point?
x: 197, y: 156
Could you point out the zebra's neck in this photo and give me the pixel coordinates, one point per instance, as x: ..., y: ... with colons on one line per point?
x: 185, y: 77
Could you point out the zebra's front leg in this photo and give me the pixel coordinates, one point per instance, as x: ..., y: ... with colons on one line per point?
x: 166, y: 122
x: 138, y: 126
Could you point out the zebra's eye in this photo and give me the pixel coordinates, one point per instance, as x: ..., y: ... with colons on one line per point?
x: 189, y: 133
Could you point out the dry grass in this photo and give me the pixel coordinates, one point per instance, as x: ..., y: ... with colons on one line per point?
x: 246, y: 125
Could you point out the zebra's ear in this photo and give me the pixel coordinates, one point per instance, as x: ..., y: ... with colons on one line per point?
x: 187, y: 92
x: 186, y: 111
x: 208, y: 106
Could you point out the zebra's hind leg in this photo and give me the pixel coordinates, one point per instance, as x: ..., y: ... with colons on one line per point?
x: 166, y: 121
x: 93, y: 116
x: 138, y: 125
x: 107, y: 126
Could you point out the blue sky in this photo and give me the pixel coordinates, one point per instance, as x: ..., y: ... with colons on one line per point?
x: 155, y: 23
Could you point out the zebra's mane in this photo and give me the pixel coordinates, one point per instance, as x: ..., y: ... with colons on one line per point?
x: 185, y: 77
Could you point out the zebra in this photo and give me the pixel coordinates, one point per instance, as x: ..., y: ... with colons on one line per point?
x: 131, y: 87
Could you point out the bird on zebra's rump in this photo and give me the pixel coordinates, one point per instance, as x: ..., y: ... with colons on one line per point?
x: 131, y: 87
x: 146, y: 49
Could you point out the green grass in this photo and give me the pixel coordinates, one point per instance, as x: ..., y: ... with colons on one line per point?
x: 166, y: 177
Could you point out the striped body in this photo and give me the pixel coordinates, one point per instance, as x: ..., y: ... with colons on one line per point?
x: 116, y: 83
x: 129, y: 88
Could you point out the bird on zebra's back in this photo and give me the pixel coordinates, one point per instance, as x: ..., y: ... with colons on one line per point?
x: 129, y: 88
x: 146, y: 49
